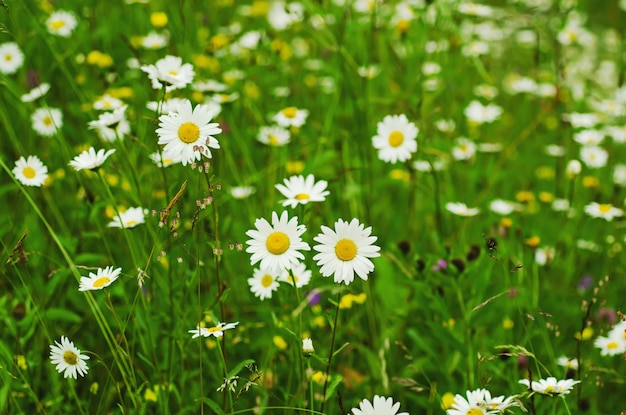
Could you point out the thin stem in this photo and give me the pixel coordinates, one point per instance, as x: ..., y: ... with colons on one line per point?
x: 332, y: 350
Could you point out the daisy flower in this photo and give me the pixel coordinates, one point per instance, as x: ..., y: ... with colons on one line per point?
x: 241, y: 192
x: 128, y: 219
x: 11, y: 58
x: 594, y: 156
x: 299, y: 275
x: 162, y: 160
x: 465, y: 149
x: 107, y: 102
x: 277, y: 245
x: 479, y: 113
x: 274, y: 136
x: 474, y: 9
x: 167, y: 106
x: 589, y: 137
x: 46, y: 121
x: 301, y: 190
x: 188, y: 132
x: 615, y: 341
x: 263, y: 283
x: 171, y: 72
x: 379, y: 406
x: 473, y: 405
x: 90, y: 160
x: 101, y: 279
x: 605, y: 211
x: 154, y: 40
x: 111, y: 125
x: 68, y: 358
x: 346, y: 250
x: 30, y: 171
x: 37, y: 92
x: 61, y: 23
x: 395, y: 139
x: 568, y: 362
x: 461, y: 209
x: 503, y: 207
x: 550, y: 386
x: 216, y: 331
x: 291, y: 116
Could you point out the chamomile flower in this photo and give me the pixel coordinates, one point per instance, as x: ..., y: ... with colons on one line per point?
x: 379, y: 406
x: 171, y: 72
x: 167, y: 106
x: 307, y: 346
x: 68, y: 359
x: 478, y: 113
x: 216, y: 331
x: 164, y: 160
x: 30, y: 171
x: 90, y: 159
x: 263, y: 283
x: 101, y: 279
x: 614, y: 343
x: 395, y: 139
x: 550, y: 386
x: 241, y: 192
x: 46, y: 121
x: 188, y: 132
x: 107, y: 103
x: 37, y: 92
x: 594, y: 156
x: 276, y: 246
x: 274, y: 136
x: 346, y: 250
x: 129, y: 218
x: 605, y: 211
x: 298, y: 275
x: 568, y: 362
x: 291, y: 117
x: 300, y: 190
x: 473, y: 405
x: 11, y: 58
x: 503, y: 207
x: 154, y: 40
x: 61, y: 23
x: 461, y: 209
x: 111, y: 125
x: 464, y: 149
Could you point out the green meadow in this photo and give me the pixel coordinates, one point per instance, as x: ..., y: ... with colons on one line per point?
x: 364, y: 207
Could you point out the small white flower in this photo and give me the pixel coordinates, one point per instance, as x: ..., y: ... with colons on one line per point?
x: 297, y: 274
x: 300, y: 190
x: 171, y: 72
x: 46, y: 121
x: 90, y: 159
x: 30, y: 171
x: 37, y: 92
x: 605, y: 211
x: 263, y: 283
x: 274, y: 136
x: 307, y: 346
x: 464, y: 149
x: 11, y: 58
x: 593, y: 156
x: 550, y: 386
x: 107, y: 103
x: 68, y: 359
x: 379, y: 406
x: 241, y: 192
x: 291, y: 116
x: 479, y: 113
x: 129, y: 218
x: 101, y: 279
x: 395, y: 138
x: 216, y: 331
x: 461, y: 209
x: 61, y: 23
x: 111, y: 125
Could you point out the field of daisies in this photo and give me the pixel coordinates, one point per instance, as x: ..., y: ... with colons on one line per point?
x: 363, y: 207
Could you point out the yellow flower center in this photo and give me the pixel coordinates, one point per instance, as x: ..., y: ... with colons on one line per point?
x: 47, y: 120
x: 130, y: 223
x: 290, y: 112
x: 8, y: 57
x: 273, y: 140
x: 173, y: 73
x: 70, y: 358
x: 403, y: 25
x: 475, y: 411
x: 302, y: 196
x: 345, y: 250
x: 396, y: 139
x: 101, y: 282
x: 215, y: 329
x: 604, y: 208
x: 57, y: 24
x: 267, y: 280
x: 292, y: 278
x: 277, y: 243
x: 612, y: 345
x: 549, y: 389
x: 29, y: 172
x: 188, y: 132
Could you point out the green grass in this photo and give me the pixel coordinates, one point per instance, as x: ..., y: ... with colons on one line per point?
x: 420, y: 333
